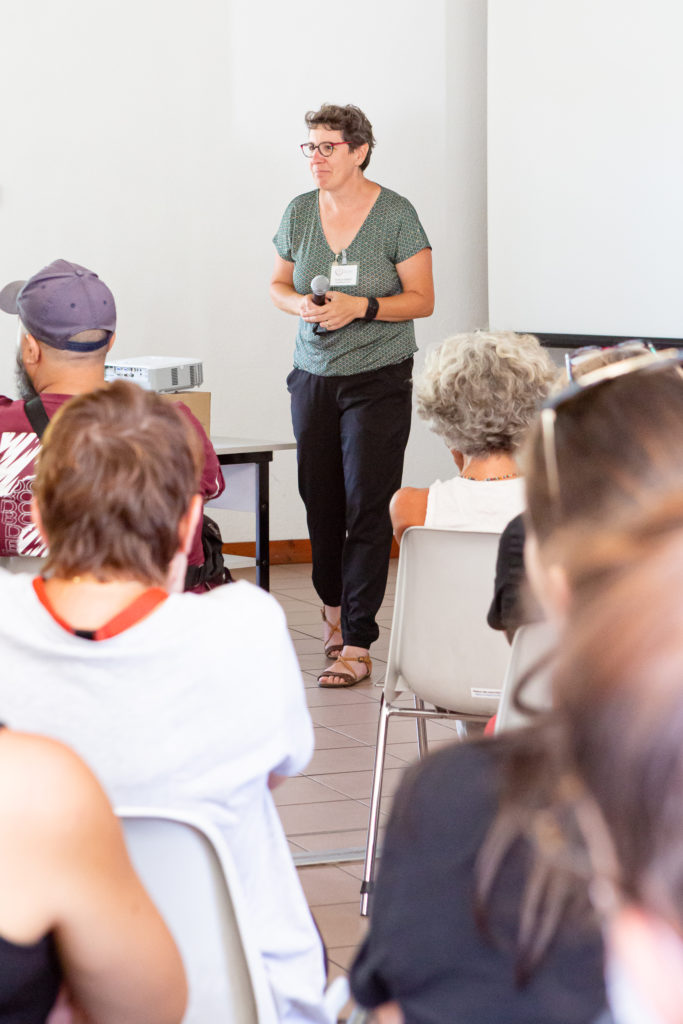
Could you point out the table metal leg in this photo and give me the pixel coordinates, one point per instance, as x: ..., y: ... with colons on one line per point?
x: 247, y: 488
x: 262, y: 526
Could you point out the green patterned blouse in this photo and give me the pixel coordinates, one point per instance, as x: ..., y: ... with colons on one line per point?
x: 390, y: 234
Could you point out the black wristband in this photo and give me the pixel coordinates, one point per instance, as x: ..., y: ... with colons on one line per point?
x: 372, y: 310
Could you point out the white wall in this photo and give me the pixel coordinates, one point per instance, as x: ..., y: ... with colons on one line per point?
x: 157, y: 142
x: 585, y: 166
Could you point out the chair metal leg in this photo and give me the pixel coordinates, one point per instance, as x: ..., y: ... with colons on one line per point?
x: 421, y: 725
x: 375, y: 798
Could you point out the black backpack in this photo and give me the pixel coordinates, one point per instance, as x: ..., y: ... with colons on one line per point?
x: 213, y: 572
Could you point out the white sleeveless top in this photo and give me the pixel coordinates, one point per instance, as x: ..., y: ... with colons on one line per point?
x: 485, y: 506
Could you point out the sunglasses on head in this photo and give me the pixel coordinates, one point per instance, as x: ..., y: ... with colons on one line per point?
x: 577, y: 359
x: 645, y: 361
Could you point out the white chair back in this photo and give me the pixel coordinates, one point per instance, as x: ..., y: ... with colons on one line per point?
x: 187, y: 869
x: 533, y: 645
x: 23, y: 563
x: 441, y: 648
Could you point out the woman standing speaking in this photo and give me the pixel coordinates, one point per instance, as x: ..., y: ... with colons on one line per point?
x: 351, y: 383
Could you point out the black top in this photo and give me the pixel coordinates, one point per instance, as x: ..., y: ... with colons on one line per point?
x: 424, y: 948
x: 513, y: 604
x: 30, y: 977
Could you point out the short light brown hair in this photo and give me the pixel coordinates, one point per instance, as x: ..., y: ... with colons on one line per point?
x: 349, y: 120
x: 116, y: 473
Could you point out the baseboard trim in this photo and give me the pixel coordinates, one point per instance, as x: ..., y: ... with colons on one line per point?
x: 283, y: 552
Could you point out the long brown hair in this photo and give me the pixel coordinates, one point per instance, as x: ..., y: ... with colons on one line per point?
x: 531, y: 805
x: 616, y: 728
x: 619, y: 690
x: 619, y: 449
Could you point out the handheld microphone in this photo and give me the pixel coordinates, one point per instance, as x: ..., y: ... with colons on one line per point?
x: 319, y: 286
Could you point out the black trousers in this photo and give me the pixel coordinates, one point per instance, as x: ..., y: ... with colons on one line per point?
x: 351, y: 435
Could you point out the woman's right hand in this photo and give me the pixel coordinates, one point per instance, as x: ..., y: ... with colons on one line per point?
x: 338, y: 310
x: 308, y: 308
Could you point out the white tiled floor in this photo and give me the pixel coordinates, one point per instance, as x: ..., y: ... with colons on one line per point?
x: 326, y: 808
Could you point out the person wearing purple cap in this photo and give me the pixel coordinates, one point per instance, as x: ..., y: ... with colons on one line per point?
x: 67, y: 324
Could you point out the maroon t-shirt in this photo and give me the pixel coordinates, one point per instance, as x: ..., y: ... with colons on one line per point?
x: 19, y: 446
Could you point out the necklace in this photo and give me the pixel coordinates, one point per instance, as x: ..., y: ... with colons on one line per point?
x: 487, y: 479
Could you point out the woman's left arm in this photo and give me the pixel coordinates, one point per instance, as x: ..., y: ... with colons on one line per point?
x: 415, y: 300
x: 417, y: 290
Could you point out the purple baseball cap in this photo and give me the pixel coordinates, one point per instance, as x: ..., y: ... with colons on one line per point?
x: 62, y: 300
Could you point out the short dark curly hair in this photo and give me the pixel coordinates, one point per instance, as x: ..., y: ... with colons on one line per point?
x: 349, y: 120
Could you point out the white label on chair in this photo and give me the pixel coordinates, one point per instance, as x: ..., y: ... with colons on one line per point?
x: 486, y: 694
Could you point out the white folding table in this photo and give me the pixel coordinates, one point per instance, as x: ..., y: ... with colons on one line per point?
x: 245, y: 464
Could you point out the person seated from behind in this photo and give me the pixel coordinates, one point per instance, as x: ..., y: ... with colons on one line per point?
x: 173, y: 699
x: 67, y: 325
x: 479, y: 392
x: 458, y: 823
x: 618, y: 687
x: 73, y: 910
x: 513, y: 603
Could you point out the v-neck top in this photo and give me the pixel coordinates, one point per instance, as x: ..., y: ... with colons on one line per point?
x: 390, y: 234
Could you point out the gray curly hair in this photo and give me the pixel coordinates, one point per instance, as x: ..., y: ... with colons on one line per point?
x: 481, y: 391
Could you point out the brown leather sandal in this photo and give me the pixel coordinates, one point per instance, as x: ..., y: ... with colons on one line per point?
x: 345, y: 678
x: 331, y: 650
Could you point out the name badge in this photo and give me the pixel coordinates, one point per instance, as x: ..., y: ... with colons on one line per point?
x: 343, y: 275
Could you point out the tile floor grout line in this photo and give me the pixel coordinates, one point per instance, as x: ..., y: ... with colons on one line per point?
x: 292, y: 587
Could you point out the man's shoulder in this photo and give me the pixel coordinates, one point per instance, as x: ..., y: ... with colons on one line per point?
x: 13, y: 415
x: 228, y: 604
x: 237, y: 625
x: 212, y: 481
x: 187, y: 412
x: 13, y: 418
x: 16, y: 593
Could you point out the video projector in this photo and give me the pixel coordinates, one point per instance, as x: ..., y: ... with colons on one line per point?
x: 156, y: 373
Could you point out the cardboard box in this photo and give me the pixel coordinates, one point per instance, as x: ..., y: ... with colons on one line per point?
x: 198, y: 402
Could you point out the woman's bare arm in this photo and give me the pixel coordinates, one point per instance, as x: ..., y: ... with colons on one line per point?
x: 416, y: 299
x: 65, y: 853
x: 282, y: 290
x: 417, y: 295
x: 408, y: 507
